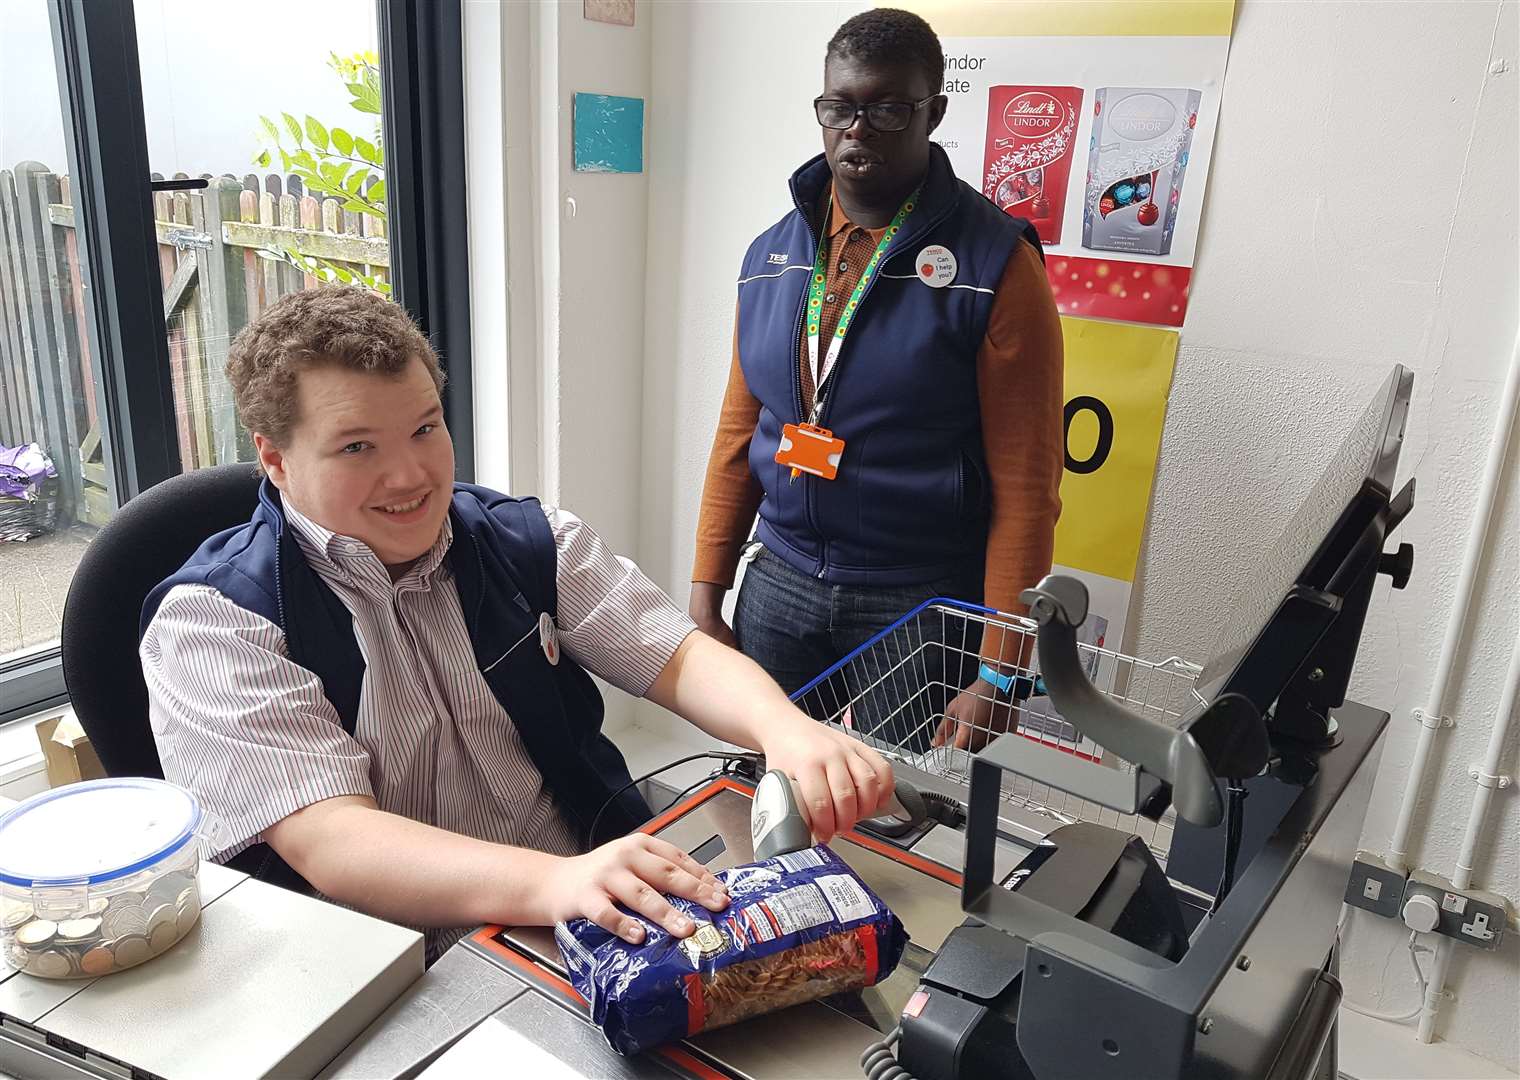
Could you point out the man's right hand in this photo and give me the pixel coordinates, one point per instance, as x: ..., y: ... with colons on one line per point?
x: 635, y: 871
x: 706, y: 610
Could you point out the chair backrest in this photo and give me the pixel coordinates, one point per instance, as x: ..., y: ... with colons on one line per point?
x: 147, y: 540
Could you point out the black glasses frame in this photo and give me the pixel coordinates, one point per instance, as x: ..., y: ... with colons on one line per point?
x: 911, y: 106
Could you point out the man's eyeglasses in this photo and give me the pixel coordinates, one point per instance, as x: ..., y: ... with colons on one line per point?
x: 884, y: 116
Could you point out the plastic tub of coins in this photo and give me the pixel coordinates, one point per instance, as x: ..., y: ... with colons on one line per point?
x: 97, y: 877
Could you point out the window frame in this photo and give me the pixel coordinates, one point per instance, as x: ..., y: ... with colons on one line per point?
x: 422, y: 48
x: 100, y: 86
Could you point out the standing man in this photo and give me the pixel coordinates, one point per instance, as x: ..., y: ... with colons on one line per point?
x: 893, y: 408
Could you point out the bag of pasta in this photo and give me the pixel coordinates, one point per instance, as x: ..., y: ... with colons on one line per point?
x: 798, y: 927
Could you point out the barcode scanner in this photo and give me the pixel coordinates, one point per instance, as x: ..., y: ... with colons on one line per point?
x: 779, y: 822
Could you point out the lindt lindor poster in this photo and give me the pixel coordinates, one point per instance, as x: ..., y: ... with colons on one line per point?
x: 1096, y: 122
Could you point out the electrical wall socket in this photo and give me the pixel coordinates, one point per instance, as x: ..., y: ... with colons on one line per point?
x: 1471, y: 915
x: 1375, y: 886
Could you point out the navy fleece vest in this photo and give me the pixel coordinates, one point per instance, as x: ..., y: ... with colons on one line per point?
x: 910, y: 503
x: 504, y: 560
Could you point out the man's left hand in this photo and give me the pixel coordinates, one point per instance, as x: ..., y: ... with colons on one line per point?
x: 974, y: 718
x: 842, y: 779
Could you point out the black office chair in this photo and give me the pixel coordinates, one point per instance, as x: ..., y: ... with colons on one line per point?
x: 147, y: 540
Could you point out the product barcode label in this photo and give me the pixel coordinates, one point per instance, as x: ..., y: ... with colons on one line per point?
x: 849, y: 901
x: 788, y: 912
x: 800, y: 860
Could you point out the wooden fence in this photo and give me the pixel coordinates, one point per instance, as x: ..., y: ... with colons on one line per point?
x: 214, y: 281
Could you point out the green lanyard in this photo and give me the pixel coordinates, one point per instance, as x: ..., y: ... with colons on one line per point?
x: 815, y: 299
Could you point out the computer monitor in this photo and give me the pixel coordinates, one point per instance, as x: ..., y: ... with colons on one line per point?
x: 1352, y: 495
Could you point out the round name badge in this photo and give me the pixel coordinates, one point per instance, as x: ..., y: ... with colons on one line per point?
x: 548, y: 638
x: 936, y: 266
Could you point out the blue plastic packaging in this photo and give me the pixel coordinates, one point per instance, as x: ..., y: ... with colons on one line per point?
x: 799, y: 927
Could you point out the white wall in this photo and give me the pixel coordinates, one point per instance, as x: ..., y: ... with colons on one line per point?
x: 1307, y: 288
x: 1361, y: 212
x: 603, y: 225
x: 569, y: 356
x: 209, y: 70
x: 731, y: 120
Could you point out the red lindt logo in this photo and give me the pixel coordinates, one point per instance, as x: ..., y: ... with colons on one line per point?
x: 1033, y: 114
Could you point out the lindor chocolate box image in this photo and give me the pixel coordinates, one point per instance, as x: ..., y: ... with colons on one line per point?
x: 1136, y: 163
x: 1031, y: 135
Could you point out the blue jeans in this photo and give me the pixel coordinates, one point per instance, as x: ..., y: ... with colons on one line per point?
x: 795, y: 627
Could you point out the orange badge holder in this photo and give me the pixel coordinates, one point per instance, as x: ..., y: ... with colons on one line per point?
x: 810, y: 449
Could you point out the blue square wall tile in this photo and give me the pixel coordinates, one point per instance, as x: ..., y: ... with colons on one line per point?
x: 609, y: 133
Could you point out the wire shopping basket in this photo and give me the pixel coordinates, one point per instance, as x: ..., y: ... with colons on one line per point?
x: 893, y: 693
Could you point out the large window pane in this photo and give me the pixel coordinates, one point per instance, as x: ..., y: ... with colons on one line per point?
x: 285, y: 128
x: 266, y: 124
x: 56, y: 483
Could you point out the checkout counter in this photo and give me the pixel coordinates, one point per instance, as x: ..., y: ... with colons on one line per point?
x: 1000, y: 967
x: 270, y: 983
x: 500, y: 995
x: 275, y: 984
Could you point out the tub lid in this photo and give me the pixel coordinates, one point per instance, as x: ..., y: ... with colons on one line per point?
x: 95, y: 832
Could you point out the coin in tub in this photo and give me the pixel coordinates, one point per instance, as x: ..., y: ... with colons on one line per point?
x: 98, y: 961
x: 124, y: 901
x: 16, y: 954
x: 169, y: 885
x: 15, y: 916
x: 78, y: 929
x: 132, y: 950
x: 163, y: 935
x: 124, y: 919
x: 51, y: 964
x: 36, y: 933
x: 160, y: 916
x: 187, y: 916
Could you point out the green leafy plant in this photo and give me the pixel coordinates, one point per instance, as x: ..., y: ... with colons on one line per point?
x: 334, y: 162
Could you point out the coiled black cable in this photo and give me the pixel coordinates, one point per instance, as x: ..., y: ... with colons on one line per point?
x: 878, y: 1062
x: 943, y: 808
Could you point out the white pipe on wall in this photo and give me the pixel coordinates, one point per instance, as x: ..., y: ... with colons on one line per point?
x: 1434, y: 989
x: 1487, y: 779
x: 1456, y: 623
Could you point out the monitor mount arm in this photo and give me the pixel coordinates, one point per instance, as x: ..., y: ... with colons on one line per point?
x: 1164, y: 757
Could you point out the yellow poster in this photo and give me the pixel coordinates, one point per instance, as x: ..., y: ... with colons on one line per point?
x: 1117, y: 379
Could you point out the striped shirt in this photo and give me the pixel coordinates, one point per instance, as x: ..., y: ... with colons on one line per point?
x: 251, y: 733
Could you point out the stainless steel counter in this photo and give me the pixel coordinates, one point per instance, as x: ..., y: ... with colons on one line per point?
x: 437, y: 1029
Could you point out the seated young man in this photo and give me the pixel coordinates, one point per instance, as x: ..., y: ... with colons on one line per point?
x: 380, y: 676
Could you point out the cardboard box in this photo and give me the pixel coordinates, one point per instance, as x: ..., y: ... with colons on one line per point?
x: 1135, y: 167
x: 67, y: 751
x: 1031, y: 136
